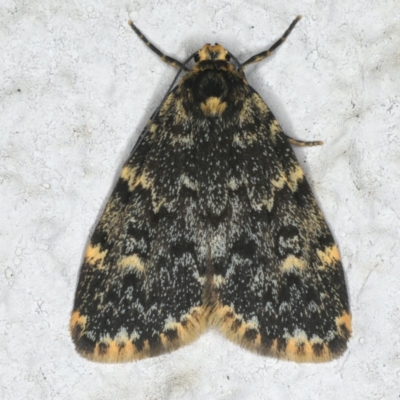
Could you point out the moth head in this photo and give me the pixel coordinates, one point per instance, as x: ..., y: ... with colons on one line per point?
x: 212, y: 53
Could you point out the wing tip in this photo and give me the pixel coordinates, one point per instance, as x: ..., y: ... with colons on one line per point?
x: 298, y: 348
x: 121, y: 348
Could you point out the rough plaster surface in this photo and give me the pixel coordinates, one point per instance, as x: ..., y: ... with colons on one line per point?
x: 76, y: 88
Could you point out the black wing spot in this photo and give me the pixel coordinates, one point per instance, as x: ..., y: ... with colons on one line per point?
x: 122, y: 191
x: 288, y: 241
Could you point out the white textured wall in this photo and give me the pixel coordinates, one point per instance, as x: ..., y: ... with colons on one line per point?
x: 77, y: 87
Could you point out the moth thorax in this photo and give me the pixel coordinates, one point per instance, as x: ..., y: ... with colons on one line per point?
x: 213, y: 53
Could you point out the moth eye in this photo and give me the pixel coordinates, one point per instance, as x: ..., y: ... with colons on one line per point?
x: 228, y: 57
x: 216, y: 44
x: 196, y: 57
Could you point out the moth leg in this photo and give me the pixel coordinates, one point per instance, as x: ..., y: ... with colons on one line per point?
x: 267, y: 53
x: 303, y: 143
x: 166, y: 59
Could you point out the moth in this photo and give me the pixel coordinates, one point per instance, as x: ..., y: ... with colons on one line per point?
x: 212, y: 223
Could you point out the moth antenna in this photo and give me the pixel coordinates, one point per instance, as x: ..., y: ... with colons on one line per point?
x: 167, y: 59
x: 264, y: 54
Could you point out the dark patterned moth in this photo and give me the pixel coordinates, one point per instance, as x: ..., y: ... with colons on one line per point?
x: 212, y: 223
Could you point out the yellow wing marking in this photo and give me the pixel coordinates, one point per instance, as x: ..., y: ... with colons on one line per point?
x: 213, y: 106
